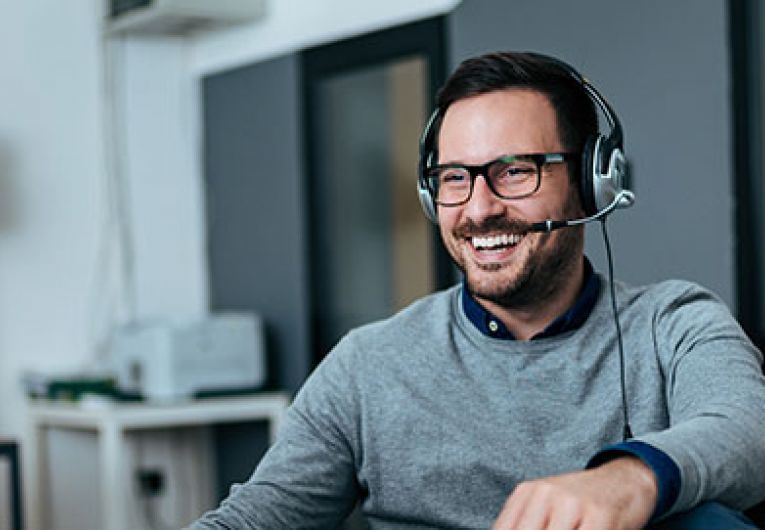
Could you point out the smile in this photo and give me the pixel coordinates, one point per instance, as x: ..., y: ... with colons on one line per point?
x: 495, y: 242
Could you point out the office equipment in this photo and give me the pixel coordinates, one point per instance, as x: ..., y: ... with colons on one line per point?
x: 178, y: 16
x: 163, y: 361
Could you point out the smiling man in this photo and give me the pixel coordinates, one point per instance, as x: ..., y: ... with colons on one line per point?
x: 526, y: 280
x: 504, y: 401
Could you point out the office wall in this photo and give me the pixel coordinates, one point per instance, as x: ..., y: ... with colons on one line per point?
x: 293, y: 25
x: 664, y: 66
x: 52, y: 191
x: 53, y: 206
x: 255, y: 213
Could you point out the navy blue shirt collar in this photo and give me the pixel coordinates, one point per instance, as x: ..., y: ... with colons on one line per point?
x: 572, y: 319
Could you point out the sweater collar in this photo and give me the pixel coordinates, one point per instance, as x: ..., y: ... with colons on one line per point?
x: 572, y: 319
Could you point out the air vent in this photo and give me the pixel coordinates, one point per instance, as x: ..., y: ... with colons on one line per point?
x: 179, y: 16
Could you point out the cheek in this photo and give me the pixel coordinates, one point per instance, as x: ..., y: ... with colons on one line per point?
x: 446, y: 234
x: 447, y: 220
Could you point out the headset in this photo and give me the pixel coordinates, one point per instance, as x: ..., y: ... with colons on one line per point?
x: 603, y: 165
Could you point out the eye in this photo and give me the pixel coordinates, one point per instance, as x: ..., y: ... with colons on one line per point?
x: 520, y: 170
x: 452, y: 176
x: 516, y: 170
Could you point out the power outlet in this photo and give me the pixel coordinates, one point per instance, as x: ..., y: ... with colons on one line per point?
x: 151, y: 482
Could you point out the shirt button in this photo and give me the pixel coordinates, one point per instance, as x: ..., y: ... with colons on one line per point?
x: 493, y: 326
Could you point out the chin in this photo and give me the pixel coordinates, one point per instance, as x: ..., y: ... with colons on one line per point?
x: 502, y: 289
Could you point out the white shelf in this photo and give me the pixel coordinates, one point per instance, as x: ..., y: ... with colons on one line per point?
x: 267, y: 406
x: 113, y: 421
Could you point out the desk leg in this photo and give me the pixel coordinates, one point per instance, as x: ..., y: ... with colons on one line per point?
x: 38, y: 480
x: 17, y: 507
x: 113, y: 473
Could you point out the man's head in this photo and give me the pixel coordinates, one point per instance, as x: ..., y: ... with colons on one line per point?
x: 575, y: 112
x: 514, y: 104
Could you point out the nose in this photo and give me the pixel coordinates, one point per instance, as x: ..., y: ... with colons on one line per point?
x: 483, y: 202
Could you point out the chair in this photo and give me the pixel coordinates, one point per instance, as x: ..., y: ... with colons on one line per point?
x: 9, y: 449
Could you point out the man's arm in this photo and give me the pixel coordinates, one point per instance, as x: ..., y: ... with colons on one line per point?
x: 307, y: 479
x: 715, y: 392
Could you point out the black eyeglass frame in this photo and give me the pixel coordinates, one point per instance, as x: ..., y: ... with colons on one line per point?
x: 539, y: 159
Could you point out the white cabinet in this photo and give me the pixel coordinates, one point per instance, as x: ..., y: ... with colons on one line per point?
x: 113, y: 425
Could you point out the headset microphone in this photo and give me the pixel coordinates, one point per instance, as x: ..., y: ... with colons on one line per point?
x: 624, y: 199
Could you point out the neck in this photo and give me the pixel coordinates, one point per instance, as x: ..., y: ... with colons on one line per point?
x: 525, y: 322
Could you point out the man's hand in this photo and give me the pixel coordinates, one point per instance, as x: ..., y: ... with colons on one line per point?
x: 620, y: 494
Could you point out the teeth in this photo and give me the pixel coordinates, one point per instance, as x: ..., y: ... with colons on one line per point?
x: 497, y: 240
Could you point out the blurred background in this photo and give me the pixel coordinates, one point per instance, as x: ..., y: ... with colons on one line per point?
x: 160, y: 167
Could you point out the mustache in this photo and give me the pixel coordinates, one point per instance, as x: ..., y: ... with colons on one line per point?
x: 491, y: 225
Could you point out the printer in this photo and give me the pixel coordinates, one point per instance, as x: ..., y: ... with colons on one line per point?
x: 164, y: 361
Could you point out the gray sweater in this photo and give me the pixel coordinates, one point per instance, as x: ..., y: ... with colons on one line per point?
x: 428, y: 423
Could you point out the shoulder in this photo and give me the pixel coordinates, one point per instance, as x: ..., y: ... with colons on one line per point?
x: 425, y: 317
x: 666, y: 296
x: 674, y: 297
x: 402, y: 336
x: 682, y: 314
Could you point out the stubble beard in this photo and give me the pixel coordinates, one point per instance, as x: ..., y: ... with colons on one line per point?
x: 543, y: 271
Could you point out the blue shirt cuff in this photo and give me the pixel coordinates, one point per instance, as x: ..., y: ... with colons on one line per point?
x: 666, y: 471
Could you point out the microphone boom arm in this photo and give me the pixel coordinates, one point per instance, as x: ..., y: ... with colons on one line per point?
x: 623, y: 199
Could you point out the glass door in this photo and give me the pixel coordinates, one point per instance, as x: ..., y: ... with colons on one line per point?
x: 372, y: 251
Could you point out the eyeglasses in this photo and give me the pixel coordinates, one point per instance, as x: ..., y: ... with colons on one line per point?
x: 508, y: 177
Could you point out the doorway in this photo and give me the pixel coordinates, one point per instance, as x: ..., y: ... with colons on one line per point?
x: 372, y: 251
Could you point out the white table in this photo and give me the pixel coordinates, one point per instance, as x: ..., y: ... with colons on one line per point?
x: 111, y: 421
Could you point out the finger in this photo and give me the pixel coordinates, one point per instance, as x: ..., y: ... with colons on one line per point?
x: 567, y: 515
x: 512, y: 511
x: 597, y: 521
x: 533, y: 509
x: 536, y: 515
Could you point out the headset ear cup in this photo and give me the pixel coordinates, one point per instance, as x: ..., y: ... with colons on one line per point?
x: 587, y: 175
x: 427, y: 155
x: 426, y: 201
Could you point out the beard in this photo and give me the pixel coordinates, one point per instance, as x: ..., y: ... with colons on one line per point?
x: 543, y: 269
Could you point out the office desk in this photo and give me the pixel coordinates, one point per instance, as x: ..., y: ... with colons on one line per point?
x: 112, y: 422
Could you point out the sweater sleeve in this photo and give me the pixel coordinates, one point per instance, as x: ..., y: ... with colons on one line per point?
x: 307, y: 478
x: 715, y: 392
x: 664, y: 468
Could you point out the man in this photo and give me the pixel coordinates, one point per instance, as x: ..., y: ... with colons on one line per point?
x: 498, y: 402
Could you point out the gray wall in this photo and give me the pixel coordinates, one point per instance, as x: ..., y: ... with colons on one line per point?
x: 256, y: 217
x: 664, y: 66
x: 256, y: 227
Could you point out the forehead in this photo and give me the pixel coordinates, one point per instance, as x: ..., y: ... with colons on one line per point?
x: 486, y: 126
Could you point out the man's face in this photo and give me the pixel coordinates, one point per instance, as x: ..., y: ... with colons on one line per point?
x: 511, y: 273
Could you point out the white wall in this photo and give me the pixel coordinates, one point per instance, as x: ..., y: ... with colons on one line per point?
x: 292, y: 25
x: 52, y: 190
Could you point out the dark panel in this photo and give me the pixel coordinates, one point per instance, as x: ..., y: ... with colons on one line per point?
x: 746, y: 71
x: 245, y: 444
x: 254, y: 207
x: 746, y: 42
